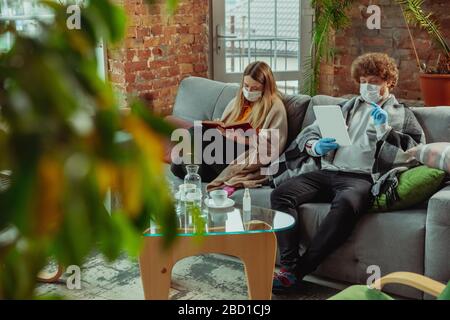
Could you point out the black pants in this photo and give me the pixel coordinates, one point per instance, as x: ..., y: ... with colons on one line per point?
x: 350, y: 198
x: 208, y: 172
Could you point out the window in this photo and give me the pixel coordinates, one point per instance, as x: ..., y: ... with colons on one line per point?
x: 23, y: 16
x: 275, y: 31
x: 265, y: 30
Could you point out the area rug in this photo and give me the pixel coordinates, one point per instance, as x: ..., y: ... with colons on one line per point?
x: 204, y: 277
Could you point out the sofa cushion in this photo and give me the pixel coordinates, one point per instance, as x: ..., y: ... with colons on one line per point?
x: 197, y: 98
x: 296, y: 107
x: 227, y: 94
x: 393, y: 241
x: 415, y: 186
x: 435, y: 155
x: 435, y: 122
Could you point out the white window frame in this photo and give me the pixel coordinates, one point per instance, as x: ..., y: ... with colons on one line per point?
x: 217, y: 57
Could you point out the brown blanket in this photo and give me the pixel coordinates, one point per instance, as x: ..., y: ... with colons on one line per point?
x: 244, y: 173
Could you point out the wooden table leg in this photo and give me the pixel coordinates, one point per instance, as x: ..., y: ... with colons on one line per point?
x: 156, y: 269
x: 256, y: 250
x: 260, y: 266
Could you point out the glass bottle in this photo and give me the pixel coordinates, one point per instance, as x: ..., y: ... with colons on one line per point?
x: 246, y: 207
x: 247, y: 201
x: 193, y: 178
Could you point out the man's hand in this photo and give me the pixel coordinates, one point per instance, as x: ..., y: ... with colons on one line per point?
x: 325, y: 145
x: 379, y: 116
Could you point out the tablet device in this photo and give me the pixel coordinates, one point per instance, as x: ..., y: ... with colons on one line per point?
x: 332, y: 124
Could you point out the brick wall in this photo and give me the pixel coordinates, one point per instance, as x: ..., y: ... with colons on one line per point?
x: 160, y: 50
x: 392, y: 39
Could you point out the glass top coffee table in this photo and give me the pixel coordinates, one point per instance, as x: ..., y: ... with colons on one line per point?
x: 249, y: 236
x: 232, y: 220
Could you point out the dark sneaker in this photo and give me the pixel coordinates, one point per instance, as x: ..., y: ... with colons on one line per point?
x: 284, y: 282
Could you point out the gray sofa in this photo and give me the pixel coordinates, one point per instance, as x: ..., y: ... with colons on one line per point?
x: 415, y: 240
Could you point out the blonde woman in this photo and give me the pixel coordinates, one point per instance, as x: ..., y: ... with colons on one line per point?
x: 257, y: 102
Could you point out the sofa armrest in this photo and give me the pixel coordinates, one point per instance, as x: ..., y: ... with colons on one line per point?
x: 437, y: 236
x: 176, y: 123
x: 439, y: 208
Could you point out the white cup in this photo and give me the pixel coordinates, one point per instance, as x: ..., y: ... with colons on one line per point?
x: 219, y: 197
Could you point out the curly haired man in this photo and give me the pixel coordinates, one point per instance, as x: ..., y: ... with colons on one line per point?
x: 381, y: 130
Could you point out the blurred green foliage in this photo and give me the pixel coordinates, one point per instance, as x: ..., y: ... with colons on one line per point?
x: 60, y: 144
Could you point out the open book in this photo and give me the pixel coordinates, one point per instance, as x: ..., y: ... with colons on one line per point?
x: 237, y: 125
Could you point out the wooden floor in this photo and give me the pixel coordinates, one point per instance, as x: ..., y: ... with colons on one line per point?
x: 206, y: 277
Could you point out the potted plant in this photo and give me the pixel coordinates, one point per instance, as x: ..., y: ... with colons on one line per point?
x: 331, y: 16
x: 434, y: 77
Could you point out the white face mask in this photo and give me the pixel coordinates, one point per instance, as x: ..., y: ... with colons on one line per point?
x: 252, y: 96
x: 370, y: 92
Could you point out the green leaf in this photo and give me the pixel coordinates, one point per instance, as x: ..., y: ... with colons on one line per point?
x: 47, y: 82
x: 130, y: 238
x: 415, y: 15
x: 112, y: 16
x: 445, y: 295
x: 331, y: 16
x: 171, y: 5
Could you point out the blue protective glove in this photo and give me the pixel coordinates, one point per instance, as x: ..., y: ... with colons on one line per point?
x: 325, y: 145
x: 379, y: 116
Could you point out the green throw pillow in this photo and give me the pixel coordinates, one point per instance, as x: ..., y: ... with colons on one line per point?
x: 415, y: 186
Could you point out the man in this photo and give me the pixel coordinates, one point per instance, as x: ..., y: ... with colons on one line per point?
x: 380, y: 130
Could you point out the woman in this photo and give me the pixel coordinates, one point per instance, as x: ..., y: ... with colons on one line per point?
x: 257, y: 102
